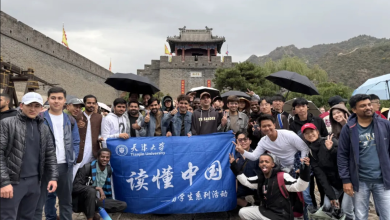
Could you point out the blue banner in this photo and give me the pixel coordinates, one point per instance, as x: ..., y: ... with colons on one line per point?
x: 166, y: 175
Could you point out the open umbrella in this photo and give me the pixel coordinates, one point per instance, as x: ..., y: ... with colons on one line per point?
x: 199, y: 90
x: 239, y: 94
x: 293, y: 82
x: 104, y: 106
x: 379, y: 86
x: 312, y: 107
x: 132, y: 83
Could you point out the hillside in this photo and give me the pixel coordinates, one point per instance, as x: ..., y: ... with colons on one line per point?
x: 358, y: 58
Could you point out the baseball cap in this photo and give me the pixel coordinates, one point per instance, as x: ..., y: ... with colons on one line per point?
x: 31, y: 97
x: 205, y: 93
x: 217, y: 98
x: 308, y: 125
x: 76, y: 101
x: 334, y: 100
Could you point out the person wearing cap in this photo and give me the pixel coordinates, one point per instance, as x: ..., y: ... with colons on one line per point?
x: 65, y: 135
x: 27, y: 157
x: 218, y: 103
x: 334, y: 100
x: 74, y: 106
x: 167, y: 104
x: 205, y: 120
x: 244, y: 106
x: 363, y: 158
x: 323, y: 160
x: 376, y: 105
x: 233, y: 119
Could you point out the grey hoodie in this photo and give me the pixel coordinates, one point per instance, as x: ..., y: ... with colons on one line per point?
x: 113, y: 125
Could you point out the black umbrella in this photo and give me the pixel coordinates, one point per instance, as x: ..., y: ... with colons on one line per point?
x: 236, y: 93
x: 132, y: 83
x: 293, y: 82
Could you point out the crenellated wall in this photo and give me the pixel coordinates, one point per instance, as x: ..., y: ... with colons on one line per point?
x: 168, y: 75
x: 51, y: 61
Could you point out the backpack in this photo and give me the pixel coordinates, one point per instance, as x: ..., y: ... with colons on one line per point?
x: 296, y: 198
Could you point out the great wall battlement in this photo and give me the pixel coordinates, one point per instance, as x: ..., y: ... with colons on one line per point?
x: 25, y: 47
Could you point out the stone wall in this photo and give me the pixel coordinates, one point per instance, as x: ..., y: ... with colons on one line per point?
x: 168, y: 75
x: 25, y: 47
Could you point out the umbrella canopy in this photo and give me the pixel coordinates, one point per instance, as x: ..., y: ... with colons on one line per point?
x: 239, y: 94
x: 312, y: 107
x: 293, y: 82
x: 379, y: 86
x: 132, y: 83
x: 199, y: 90
x: 236, y: 93
x: 104, y: 106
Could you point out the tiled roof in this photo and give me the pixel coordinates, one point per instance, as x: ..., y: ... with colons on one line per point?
x: 189, y: 35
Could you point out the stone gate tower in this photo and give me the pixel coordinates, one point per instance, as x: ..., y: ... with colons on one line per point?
x: 194, y: 62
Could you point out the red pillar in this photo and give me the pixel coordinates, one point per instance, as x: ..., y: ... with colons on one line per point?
x: 208, y: 54
x: 182, y: 54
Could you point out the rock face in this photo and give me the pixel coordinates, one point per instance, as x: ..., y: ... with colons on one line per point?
x: 358, y: 58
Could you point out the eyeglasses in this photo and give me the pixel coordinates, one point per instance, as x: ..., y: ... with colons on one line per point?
x: 376, y: 102
x: 242, y: 139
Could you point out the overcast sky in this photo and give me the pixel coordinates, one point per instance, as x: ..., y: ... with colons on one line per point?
x: 132, y: 33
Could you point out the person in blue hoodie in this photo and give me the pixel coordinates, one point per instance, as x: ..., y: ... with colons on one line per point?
x: 180, y: 123
x: 364, y: 159
x: 65, y: 134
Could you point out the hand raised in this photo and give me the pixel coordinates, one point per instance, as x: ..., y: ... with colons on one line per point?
x: 239, y: 148
x: 231, y: 158
x: 147, y: 117
x: 224, y: 118
x: 135, y: 126
x: 174, y: 111
x: 251, y: 93
x: 329, y: 142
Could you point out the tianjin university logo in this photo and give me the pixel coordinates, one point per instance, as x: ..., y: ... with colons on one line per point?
x: 121, y: 150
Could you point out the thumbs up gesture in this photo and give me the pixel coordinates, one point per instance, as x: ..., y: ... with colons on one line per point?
x: 224, y: 119
x: 147, y: 117
x: 135, y: 126
x: 174, y: 111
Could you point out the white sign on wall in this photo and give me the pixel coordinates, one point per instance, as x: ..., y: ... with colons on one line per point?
x: 196, y: 74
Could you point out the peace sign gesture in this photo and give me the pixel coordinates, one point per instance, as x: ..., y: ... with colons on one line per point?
x: 251, y: 93
x: 224, y: 119
x: 329, y: 142
x: 231, y: 158
x: 239, y: 148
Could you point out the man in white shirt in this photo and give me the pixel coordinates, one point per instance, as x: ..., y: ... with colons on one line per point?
x: 116, y: 124
x: 66, y: 140
x: 283, y: 144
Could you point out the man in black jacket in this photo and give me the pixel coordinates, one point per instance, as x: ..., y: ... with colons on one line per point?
x: 205, y: 120
x: 92, y: 178
x: 302, y: 117
x: 26, y: 154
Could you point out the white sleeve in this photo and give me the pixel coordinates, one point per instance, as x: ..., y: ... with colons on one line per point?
x: 253, y: 156
x: 300, y: 145
x: 294, y: 185
x: 106, y: 128
x: 244, y: 181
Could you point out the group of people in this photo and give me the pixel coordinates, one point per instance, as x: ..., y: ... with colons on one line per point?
x: 280, y: 157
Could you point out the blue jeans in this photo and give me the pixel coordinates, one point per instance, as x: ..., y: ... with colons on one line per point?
x: 346, y: 205
x: 50, y: 206
x: 308, y: 201
x: 381, y: 199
